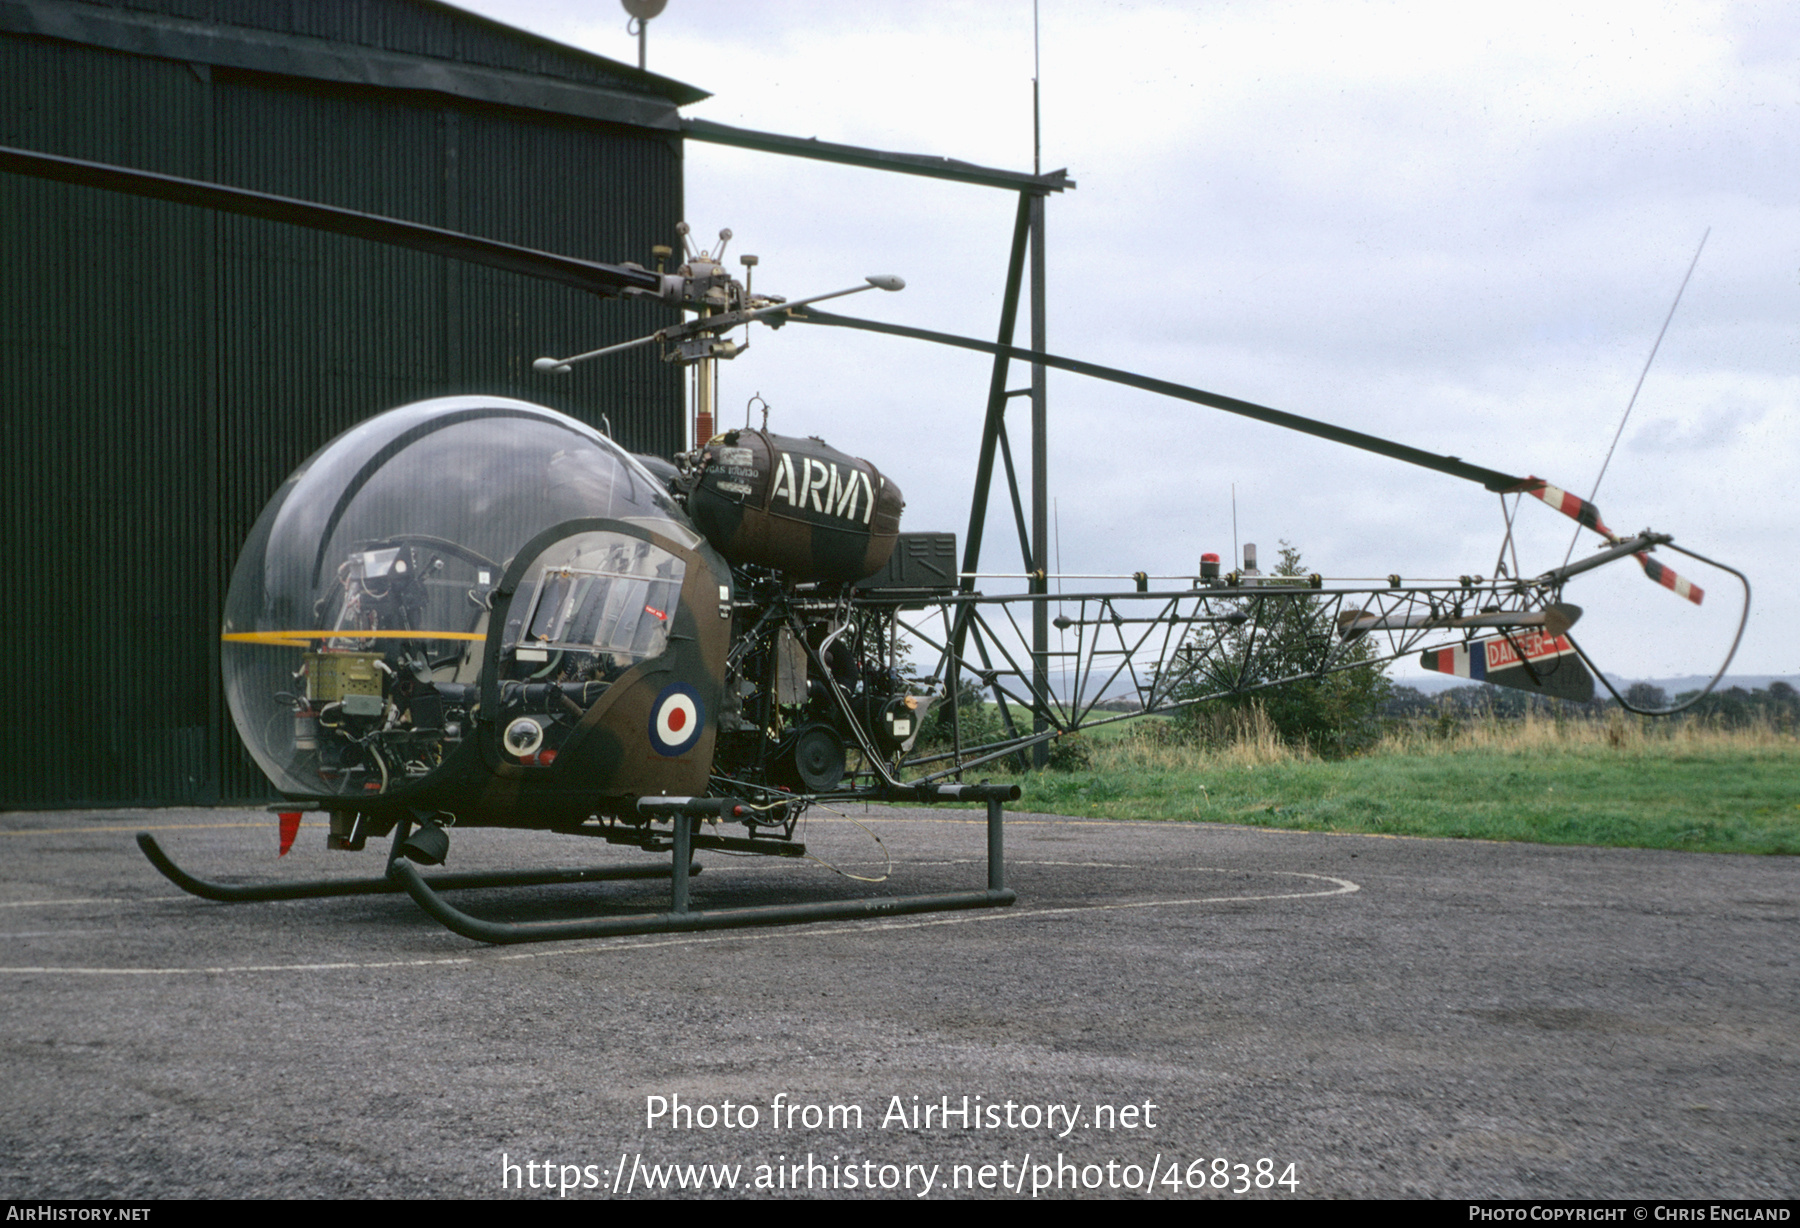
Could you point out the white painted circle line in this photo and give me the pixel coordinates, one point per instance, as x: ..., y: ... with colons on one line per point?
x: 1340, y: 886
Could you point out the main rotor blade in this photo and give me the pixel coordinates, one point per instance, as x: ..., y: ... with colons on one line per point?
x: 1453, y: 465
x: 596, y: 278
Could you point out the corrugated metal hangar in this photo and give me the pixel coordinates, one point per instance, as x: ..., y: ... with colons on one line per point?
x: 166, y: 367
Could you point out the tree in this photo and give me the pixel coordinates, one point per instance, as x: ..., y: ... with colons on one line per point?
x: 978, y: 720
x: 1332, y: 714
x: 1646, y: 695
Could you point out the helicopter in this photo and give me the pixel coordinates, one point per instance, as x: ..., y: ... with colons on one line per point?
x: 475, y: 611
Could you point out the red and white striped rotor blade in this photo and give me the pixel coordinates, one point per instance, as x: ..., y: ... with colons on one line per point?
x: 1587, y: 515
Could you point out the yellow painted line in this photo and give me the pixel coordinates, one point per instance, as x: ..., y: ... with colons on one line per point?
x: 303, y: 639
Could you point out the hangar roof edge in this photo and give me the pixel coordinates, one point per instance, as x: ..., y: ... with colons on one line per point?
x: 544, y: 75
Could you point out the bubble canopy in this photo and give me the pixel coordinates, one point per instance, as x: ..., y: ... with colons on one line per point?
x: 360, y: 603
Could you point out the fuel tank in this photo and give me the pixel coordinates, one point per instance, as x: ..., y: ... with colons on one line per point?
x: 797, y: 505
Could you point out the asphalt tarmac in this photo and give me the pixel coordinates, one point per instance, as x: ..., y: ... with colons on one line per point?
x: 1203, y: 1010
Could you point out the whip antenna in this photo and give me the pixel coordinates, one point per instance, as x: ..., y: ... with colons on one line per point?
x: 1037, y: 130
x: 1640, y: 383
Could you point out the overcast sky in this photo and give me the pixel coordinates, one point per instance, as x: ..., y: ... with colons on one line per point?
x: 1456, y: 227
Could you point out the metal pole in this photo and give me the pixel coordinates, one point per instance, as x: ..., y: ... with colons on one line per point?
x: 684, y: 852
x: 1012, y: 488
x: 996, y: 845
x: 1040, y: 520
x: 996, y: 406
x: 991, y: 431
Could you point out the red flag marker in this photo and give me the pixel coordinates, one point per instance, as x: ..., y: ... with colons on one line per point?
x: 290, y: 827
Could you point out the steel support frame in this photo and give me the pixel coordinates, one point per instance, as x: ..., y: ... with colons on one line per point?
x: 1027, y: 252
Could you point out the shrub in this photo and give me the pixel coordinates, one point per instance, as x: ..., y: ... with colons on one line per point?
x: 1329, y: 713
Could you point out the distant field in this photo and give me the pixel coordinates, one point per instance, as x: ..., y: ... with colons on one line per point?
x: 1645, y: 785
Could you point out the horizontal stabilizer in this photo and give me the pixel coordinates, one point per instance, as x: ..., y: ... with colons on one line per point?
x: 1549, y: 664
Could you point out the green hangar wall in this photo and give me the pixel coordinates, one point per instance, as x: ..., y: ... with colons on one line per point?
x: 163, y: 367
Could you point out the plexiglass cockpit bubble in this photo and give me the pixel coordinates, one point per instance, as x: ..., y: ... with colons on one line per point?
x: 357, y: 617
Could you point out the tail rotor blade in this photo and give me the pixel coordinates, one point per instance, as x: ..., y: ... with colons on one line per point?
x: 1567, y: 502
x: 1666, y: 577
x: 1587, y: 515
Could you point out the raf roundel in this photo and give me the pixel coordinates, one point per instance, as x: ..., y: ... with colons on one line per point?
x: 676, y: 720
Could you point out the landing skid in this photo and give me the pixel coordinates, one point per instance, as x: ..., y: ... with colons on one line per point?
x: 323, y: 888
x: 682, y: 921
x: 686, y: 814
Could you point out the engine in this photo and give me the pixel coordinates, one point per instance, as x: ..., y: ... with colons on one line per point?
x: 814, y: 684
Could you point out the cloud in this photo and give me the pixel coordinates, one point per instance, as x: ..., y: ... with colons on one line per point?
x: 1457, y: 227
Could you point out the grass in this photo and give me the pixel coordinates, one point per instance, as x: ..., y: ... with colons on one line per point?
x: 1627, y: 783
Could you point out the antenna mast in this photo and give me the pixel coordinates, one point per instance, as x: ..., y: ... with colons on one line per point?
x: 1037, y: 129
x: 1629, y: 405
x: 641, y: 12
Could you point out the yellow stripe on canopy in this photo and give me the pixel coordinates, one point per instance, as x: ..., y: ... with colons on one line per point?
x: 304, y: 639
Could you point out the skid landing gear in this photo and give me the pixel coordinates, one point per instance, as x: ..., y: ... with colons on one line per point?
x: 323, y: 888
x: 686, y: 813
